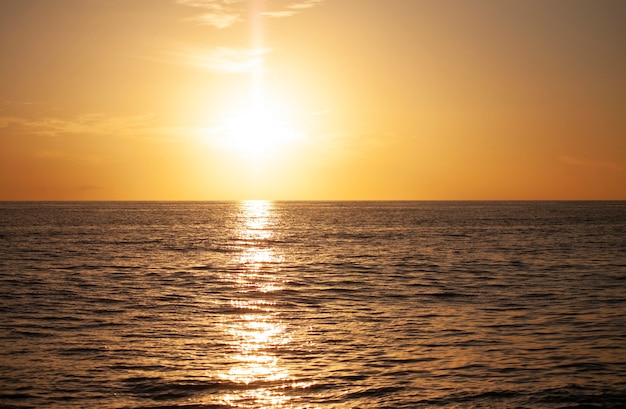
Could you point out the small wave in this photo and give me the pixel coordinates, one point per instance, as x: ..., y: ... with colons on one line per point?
x: 204, y: 267
x: 157, y: 388
x: 374, y: 392
x: 476, y: 399
x: 15, y: 396
x: 574, y: 396
x: 448, y: 294
x: 185, y: 406
x: 31, y: 334
x: 82, y: 351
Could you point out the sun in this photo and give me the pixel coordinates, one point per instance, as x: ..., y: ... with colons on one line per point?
x: 259, y: 127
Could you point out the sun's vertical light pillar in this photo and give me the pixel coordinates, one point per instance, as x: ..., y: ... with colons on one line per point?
x: 260, y: 125
x: 257, y: 40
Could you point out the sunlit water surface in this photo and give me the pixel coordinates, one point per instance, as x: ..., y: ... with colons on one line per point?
x: 313, y: 305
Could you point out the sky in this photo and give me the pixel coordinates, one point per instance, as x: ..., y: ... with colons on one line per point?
x: 312, y: 100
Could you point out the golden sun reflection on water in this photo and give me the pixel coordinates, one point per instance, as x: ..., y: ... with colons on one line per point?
x: 257, y: 332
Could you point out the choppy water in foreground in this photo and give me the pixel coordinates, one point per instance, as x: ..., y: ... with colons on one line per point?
x: 305, y: 305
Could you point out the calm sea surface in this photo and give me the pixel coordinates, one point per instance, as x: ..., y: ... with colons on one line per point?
x: 313, y: 305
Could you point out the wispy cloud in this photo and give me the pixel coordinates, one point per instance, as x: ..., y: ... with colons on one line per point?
x: 91, y: 124
x: 75, y: 158
x: 592, y: 163
x: 216, y: 13
x: 142, y: 127
x: 279, y: 14
x: 305, y: 4
x: 225, y: 13
x: 89, y: 187
x: 217, y: 19
x: 220, y: 59
x: 293, y: 8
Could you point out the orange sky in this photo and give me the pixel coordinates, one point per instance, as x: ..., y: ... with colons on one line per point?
x: 312, y: 99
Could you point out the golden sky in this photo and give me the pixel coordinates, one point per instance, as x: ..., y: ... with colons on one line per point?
x: 312, y: 99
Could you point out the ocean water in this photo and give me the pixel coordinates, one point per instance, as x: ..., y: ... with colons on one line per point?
x: 313, y: 305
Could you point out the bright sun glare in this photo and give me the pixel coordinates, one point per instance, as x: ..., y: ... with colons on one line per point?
x: 259, y: 127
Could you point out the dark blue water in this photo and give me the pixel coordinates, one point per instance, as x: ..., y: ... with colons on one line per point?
x: 313, y: 305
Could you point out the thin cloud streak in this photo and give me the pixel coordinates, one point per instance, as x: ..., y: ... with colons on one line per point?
x: 225, y: 13
x: 306, y: 4
x: 217, y: 13
x: 293, y: 9
x: 77, y: 159
x: 90, y: 124
x: 279, y: 14
x: 138, y: 127
x: 219, y: 59
x: 219, y: 20
x: 592, y: 163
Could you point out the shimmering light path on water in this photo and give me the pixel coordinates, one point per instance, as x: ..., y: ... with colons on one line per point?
x: 313, y: 305
x: 258, y: 331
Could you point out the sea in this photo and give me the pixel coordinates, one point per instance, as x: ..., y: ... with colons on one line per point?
x: 261, y: 304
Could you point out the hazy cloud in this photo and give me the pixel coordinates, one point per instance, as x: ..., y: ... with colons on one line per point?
x: 77, y: 159
x: 225, y: 13
x: 293, y: 8
x: 592, y: 163
x: 305, y: 4
x: 279, y: 14
x: 220, y: 59
x: 91, y: 125
x: 89, y: 187
x: 217, y: 19
x: 86, y: 124
x: 216, y: 13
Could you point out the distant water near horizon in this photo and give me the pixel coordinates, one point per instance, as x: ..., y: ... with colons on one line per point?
x: 313, y: 304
